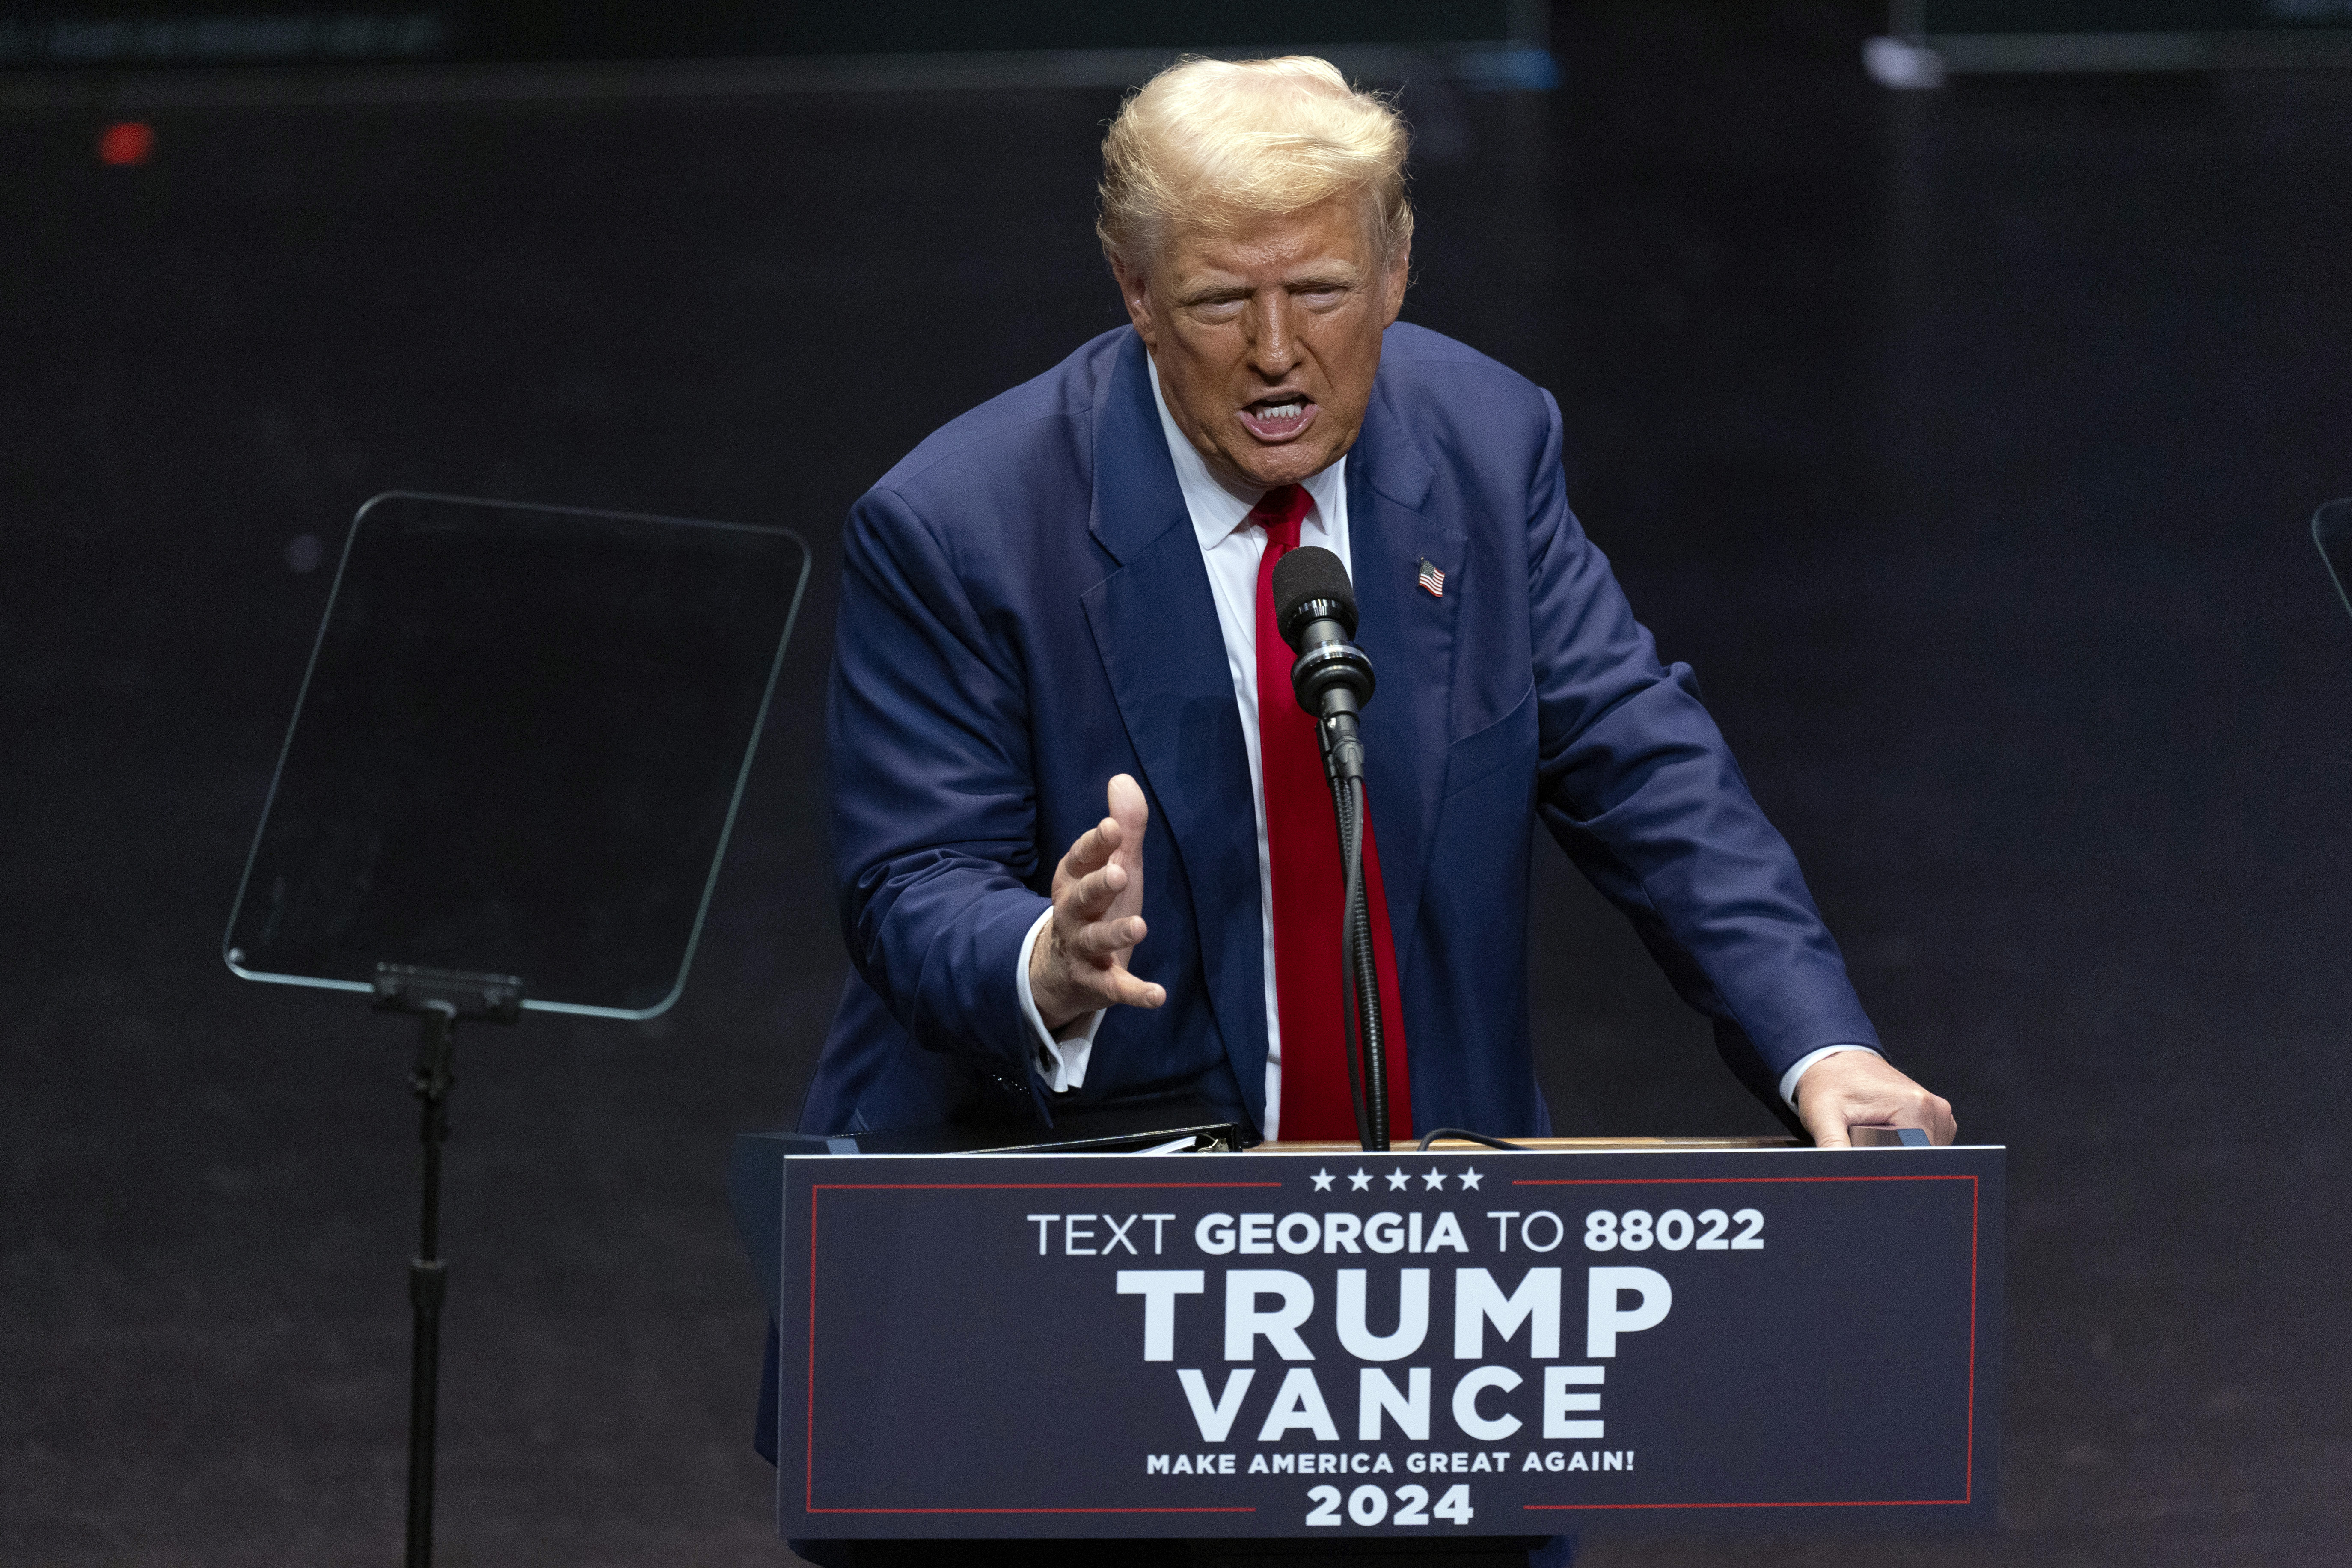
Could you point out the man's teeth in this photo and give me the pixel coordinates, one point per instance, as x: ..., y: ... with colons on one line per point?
x: 1282, y: 410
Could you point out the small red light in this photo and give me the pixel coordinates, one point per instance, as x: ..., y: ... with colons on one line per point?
x: 126, y: 143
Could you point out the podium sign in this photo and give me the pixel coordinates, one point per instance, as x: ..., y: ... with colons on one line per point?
x: 1412, y: 1345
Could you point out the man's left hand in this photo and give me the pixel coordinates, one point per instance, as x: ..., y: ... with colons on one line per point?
x: 1857, y: 1089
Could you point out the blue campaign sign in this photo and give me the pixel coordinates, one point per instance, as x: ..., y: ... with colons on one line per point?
x: 1402, y: 1344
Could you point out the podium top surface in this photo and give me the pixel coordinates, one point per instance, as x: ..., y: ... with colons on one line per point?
x: 1544, y: 1145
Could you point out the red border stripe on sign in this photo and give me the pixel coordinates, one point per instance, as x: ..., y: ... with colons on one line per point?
x: 1968, y: 1456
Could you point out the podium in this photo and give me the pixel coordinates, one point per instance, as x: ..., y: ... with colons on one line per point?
x: 1446, y: 1349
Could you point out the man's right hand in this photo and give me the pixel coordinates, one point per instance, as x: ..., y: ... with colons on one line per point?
x: 1078, y: 964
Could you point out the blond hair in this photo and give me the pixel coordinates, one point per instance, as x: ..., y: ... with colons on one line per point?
x: 1209, y: 144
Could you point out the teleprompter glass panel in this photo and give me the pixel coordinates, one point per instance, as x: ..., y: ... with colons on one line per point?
x: 2332, y: 526
x: 518, y: 750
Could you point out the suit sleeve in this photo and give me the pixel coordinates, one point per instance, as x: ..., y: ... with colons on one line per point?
x: 934, y: 802
x: 1639, y: 786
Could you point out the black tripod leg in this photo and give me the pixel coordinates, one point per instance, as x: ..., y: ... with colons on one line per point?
x: 428, y: 1280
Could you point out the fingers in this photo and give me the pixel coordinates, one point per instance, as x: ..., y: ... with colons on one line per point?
x: 1119, y: 987
x: 1097, y: 892
x: 1075, y: 988
x: 1129, y: 809
x: 1908, y: 1106
x: 1091, y: 895
x: 1858, y: 1088
x: 1824, y: 1118
x: 1099, y: 942
x: 1093, y: 848
x: 1078, y: 970
x: 1116, y: 840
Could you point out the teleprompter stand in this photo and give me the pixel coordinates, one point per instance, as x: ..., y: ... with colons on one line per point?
x: 438, y: 997
x: 519, y: 750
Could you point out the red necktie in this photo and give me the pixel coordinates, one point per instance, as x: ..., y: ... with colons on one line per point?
x: 1303, y: 843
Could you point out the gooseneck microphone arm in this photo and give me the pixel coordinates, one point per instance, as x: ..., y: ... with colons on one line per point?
x: 1360, y: 973
x: 1316, y: 611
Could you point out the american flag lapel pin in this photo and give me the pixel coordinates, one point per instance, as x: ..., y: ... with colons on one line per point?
x: 1431, y: 579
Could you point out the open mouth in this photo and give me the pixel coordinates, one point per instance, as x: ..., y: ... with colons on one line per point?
x: 1280, y: 417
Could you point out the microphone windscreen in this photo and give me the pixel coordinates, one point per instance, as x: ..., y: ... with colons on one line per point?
x: 1310, y: 584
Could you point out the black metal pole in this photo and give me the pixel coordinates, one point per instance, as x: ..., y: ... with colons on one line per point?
x: 428, y: 1276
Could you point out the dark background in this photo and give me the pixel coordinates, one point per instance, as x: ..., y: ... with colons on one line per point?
x: 1964, y: 441
x: 142, y: 32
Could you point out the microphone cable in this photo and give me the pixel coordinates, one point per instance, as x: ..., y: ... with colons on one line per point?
x: 1467, y: 1136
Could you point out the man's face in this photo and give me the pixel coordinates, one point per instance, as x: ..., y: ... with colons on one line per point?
x: 1266, y: 339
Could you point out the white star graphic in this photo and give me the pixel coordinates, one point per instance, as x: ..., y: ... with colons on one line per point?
x: 1434, y: 1180
x: 1397, y: 1179
x: 1470, y: 1180
x: 1322, y: 1181
x: 1359, y: 1180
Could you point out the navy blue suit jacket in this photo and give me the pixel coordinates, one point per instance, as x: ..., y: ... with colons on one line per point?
x: 1025, y: 613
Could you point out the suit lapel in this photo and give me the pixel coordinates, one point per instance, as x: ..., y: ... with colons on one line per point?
x: 1155, y: 627
x: 1410, y: 636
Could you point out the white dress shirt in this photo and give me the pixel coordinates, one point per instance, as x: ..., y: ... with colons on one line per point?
x: 1231, y: 554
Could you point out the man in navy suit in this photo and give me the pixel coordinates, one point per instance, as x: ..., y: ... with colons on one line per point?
x: 1084, y: 846
x: 1067, y: 804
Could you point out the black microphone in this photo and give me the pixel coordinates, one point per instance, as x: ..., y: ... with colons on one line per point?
x: 1315, y: 607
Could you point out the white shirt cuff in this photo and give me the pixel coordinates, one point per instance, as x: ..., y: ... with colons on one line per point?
x: 1788, y: 1079
x: 1063, y: 1062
